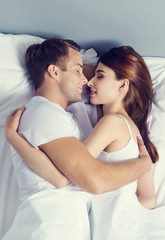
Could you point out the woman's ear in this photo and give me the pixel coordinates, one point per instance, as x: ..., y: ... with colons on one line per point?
x: 54, y: 71
x: 124, y: 84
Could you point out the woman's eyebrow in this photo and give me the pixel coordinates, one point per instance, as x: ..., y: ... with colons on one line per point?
x: 100, y: 71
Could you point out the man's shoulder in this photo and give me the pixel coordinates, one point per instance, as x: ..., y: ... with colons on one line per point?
x: 43, y: 121
x: 39, y: 107
x: 39, y: 103
x: 42, y: 113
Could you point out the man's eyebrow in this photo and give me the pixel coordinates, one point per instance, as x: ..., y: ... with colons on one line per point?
x: 78, y: 64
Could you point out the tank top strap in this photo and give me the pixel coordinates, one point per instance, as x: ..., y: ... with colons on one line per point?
x: 129, y: 128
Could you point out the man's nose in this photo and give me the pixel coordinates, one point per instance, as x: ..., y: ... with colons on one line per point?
x: 84, y: 79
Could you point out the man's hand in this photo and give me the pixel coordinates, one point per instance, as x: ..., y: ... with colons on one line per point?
x: 12, y: 123
x: 143, y: 153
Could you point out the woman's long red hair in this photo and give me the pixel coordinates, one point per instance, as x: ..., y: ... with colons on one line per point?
x: 126, y: 63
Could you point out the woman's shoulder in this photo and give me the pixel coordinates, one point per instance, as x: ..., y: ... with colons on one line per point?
x: 112, y: 118
x: 120, y: 123
x: 111, y: 124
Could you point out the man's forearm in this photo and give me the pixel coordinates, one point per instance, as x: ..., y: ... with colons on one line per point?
x: 73, y: 159
x: 115, y: 175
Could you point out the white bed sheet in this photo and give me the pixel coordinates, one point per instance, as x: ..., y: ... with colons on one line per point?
x: 15, y: 91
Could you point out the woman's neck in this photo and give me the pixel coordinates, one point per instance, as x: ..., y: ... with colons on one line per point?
x: 114, y: 108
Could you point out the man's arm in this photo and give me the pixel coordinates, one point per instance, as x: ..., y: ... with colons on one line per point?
x: 36, y: 160
x: 74, y: 160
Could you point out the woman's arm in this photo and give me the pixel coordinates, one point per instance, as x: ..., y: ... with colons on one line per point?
x: 105, y: 132
x: 146, y: 190
x: 36, y: 160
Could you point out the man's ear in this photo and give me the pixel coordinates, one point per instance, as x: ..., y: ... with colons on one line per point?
x: 54, y: 71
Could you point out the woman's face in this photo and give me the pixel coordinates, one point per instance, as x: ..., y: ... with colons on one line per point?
x: 104, y: 86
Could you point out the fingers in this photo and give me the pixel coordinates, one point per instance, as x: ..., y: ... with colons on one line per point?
x: 12, y: 121
x: 143, y: 153
x: 17, y: 112
x: 142, y: 148
x: 13, y: 113
x: 20, y: 111
x: 140, y: 141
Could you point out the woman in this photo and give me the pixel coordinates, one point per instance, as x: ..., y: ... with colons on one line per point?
x: 122, y: 84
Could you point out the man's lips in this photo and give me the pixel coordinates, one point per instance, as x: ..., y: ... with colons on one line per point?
x: 80, y: 88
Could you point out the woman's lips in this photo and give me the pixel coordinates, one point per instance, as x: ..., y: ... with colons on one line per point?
x: 92, y: 93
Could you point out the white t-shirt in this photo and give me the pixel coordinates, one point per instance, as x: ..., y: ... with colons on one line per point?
x: 42, y: 122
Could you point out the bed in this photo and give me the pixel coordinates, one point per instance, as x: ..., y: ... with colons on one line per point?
x: 15, y: 91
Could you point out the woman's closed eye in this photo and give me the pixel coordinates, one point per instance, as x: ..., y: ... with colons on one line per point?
x: 99, y: 76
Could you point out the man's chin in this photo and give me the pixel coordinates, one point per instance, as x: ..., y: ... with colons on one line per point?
x: 75, y: 100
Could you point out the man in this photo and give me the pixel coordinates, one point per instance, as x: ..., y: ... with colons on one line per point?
x: 56, y: 70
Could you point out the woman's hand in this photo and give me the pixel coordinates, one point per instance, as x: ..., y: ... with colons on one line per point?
x: 12, y: 123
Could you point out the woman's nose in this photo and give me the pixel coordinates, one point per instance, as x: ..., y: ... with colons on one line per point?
x: 90, y: 82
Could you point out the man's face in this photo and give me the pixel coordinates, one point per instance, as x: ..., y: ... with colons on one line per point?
x: 73, y: 79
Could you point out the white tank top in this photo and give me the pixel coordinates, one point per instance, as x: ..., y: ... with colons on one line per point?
x: 130, y: 151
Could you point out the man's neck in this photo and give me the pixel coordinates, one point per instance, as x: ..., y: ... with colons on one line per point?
x: 53, y: 98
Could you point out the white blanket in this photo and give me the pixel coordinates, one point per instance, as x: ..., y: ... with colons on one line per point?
x: 50, y: 215
x: 15, y: 91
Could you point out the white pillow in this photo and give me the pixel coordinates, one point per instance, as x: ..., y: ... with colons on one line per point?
x: 15, y: 90
x: 156, y: 119
x: 157, y: 70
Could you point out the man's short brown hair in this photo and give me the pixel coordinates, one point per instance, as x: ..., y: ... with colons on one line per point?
x: 52, y: 51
